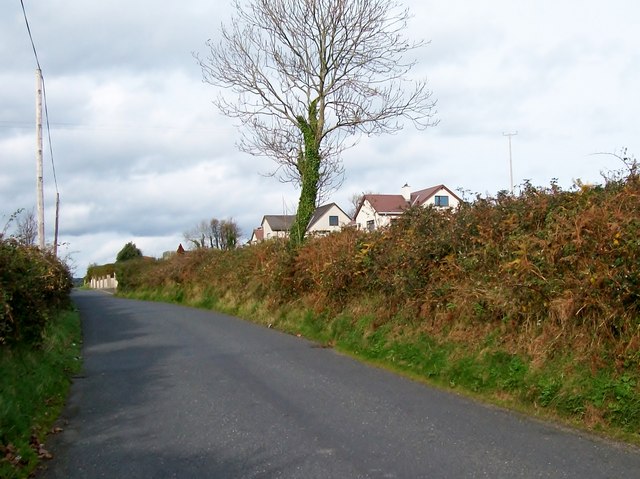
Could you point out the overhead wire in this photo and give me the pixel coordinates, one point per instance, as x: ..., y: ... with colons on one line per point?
x: 44, y: 94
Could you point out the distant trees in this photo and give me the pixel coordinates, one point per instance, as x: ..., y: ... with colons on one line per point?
x: 215, y: 233
x: 128, y: 251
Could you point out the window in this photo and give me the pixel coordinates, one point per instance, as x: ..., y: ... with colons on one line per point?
x: 333, y: 221
x: 441, y: 201
x: 370, y: 225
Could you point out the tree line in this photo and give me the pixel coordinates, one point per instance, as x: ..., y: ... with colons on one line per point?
x: 213, y: 233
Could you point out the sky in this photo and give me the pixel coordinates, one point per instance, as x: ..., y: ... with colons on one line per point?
x: 141, y: 154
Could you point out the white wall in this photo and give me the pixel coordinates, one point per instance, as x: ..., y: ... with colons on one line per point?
x: 323, y: 226
x: 104, y: 282
x: 367, y: 213
x: 453, y: 201
x: 268, y: 233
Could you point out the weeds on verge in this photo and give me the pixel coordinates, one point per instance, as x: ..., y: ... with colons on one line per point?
x: 534, y: 297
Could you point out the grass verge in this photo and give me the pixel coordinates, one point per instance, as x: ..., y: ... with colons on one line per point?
x: 604, y: 402
x: 33, y: 387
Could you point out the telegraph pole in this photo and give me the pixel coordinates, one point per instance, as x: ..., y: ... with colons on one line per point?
x: 510, y: 134
x: 55, y: 234
x: 39, y: 174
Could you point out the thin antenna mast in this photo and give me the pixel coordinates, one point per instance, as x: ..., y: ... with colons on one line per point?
x: 510, y: 158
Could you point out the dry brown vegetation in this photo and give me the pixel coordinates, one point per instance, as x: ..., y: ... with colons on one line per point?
x: 542, y: 288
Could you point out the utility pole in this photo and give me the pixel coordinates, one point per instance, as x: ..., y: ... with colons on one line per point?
x: 55, y: 234
x: 39, y: 174
x: 510, y: 134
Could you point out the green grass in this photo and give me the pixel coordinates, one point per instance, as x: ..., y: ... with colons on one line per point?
x: 605, y: 402
x: 33, y: 387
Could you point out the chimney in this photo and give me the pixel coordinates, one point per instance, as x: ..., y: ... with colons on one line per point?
x: 406, y: 192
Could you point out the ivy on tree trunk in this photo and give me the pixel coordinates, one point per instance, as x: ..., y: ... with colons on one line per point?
x: 309, y: 169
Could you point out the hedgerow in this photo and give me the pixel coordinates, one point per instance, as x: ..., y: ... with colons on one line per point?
x: 547, y: 261
x: 34, y: 285
x: 548, y: 278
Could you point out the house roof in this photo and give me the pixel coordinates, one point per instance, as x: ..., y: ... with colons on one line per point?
x: 279, y: 222
x: 387, y: 204
x: 258, y: 234
x: 419, y: 197
x: 321, y: 211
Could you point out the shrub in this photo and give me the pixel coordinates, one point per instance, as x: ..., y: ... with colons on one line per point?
x: 128, y: 252
x: 33, y: 286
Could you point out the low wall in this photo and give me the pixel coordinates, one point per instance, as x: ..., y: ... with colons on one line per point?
x: 104, y: 282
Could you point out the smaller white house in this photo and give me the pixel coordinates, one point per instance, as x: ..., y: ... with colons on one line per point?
x: 257, y: 235
x: 276, y: 226
x: 325, y: 219
x: 379, y: 211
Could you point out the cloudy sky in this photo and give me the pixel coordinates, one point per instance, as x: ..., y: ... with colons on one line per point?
x: 142, y: 155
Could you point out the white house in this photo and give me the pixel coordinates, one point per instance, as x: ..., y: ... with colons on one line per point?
x: 257, y: 235
x: 378, y: 211
x: 325, y: 219
x: 276, y: 226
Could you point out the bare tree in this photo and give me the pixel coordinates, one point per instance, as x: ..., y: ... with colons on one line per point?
x: 307, y: 76
x: 27, y: 228
x: 215, y: 233
x: 8, y: 222
x: 195, y: 237
x: 354, y: 203
x: 629, y: 161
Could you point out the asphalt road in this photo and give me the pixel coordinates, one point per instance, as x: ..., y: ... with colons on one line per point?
x: 170, y: 391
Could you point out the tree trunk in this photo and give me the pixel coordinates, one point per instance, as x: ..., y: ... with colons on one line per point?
x: 309, y: 169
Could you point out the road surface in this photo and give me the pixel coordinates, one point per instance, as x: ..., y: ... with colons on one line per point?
x: 175, y: 392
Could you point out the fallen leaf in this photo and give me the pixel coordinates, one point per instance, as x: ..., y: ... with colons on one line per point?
x: 43, y: 453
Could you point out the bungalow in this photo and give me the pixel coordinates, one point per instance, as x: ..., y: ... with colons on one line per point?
x: 378, y: 211
x: 276, y: 226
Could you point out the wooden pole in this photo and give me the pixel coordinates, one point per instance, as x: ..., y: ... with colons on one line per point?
x: 55, y: 235
x: 39, y: 174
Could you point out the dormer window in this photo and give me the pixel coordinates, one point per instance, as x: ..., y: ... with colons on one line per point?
x: 441, y: 201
